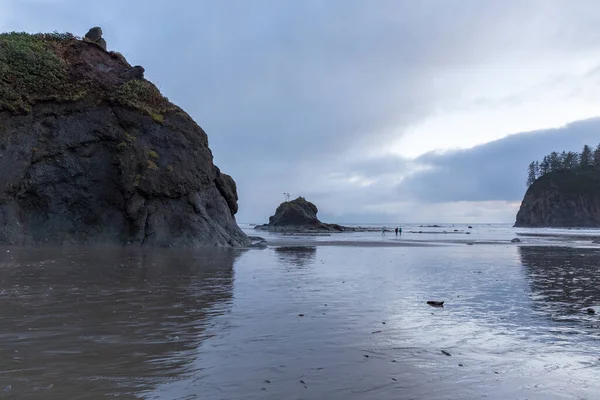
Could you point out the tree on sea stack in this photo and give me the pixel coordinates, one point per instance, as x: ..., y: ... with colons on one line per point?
x: 597, y: 157
x: 586, y: 159
x: 531, y: 174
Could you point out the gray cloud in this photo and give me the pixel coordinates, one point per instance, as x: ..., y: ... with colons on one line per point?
x: 496, y: 170
x: 298, y: 96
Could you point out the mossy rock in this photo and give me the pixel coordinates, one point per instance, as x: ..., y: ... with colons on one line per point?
x: 61, y: 67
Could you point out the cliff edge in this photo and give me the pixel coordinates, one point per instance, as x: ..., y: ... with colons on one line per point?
x: 91, y: 152
x: 569, y: 198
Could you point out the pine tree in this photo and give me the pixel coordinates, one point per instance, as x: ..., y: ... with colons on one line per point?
x: 571, y: 160
x: 562, y: 157
x: 586, y: 159
x: 544, y: 166
x: 597, y: 157
x: 531, y: 174
x: 555, y: 162
x: 536, y: 169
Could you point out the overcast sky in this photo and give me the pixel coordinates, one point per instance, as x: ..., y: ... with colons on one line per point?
x: 377, y: 111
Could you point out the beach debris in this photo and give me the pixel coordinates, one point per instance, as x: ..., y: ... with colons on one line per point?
x: 435, y: 303
x: 467, y: 233
x: 395, y: 380
x: 8, y: 388
x: 302, y: 381
x: 446, y: 353
x: 591, y: 311
x: 301, y: 315
x: 383, y: 322
x: 267, y: 381
x: 394, y: 361
x: 376, y: 332
x: 460, y: 365
x: 365, y: 355
x: 497, y: 373
x: 470, y: 227
x: 515, y: 240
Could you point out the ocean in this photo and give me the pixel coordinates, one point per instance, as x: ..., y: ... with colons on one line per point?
x: 343, y: 316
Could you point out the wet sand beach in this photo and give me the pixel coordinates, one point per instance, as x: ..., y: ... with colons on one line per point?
x: 302, y: 321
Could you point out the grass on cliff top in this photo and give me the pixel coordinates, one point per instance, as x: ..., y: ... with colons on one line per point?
x: 143, y: 96
x: 31, y: 70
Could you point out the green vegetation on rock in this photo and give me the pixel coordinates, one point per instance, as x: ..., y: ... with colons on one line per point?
x: 30, y: 70
x: 144, y: 96
x: 61, y: 67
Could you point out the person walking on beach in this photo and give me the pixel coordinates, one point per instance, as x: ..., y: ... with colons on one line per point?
x: 383, y: 231
x: 400, y: 231
x: 396, y: 230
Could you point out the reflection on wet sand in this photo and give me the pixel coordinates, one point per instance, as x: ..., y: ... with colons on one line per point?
x: 564, y: 281
x: 298, y: 256
x: 100, y: 322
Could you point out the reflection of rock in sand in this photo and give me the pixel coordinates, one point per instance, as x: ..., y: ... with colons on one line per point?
x: 564, y: 281
x: 296, y: 255
x: 106, y: 321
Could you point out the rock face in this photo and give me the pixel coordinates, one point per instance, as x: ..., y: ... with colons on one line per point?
x: 93, y: 153
x: 297, y: 215
x: 562, y: 199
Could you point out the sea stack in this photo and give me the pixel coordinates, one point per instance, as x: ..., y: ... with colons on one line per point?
x: 568, y: 198
x: 91, y: 152
x: 298, y: 215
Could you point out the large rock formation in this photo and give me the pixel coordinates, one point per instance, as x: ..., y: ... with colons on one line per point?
x: 562, y: 199
x: 298, y: 215
x: 91, y: 152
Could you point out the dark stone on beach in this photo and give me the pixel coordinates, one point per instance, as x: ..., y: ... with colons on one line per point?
x: 258, y: 242
x: 435, y: 303
x: 470, y: 227
x: 301, y: 315
x: 515, y: 240
x: 460, y: 365
x: 267, y: 381
x: 376, y: 332
x: 446, y: 353
x: 591, y: 311
x: 302, y: 381
x: 366, y: 356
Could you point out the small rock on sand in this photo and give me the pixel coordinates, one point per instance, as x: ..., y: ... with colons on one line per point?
x: 435, y: 303
x: 301, y: 315
x: 591, y: 311
x: 446, y: 353
x: 515, y: 240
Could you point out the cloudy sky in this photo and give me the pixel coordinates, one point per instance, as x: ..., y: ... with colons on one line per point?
x: 377, y: 111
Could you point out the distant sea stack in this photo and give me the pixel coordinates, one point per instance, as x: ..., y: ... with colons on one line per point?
x: 568, y: 198
x: 91, y: 152
x: 298, y: 215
